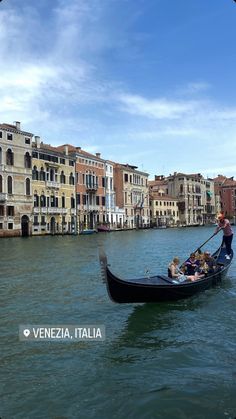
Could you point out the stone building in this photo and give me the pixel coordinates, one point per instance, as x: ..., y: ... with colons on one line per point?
x: 226, y: 189
x: 164, y: 209
x: 53, y: 184
x: 15, y: 180
x: 196, y: 197
x: 90, y: 188
x: 114, y: 214
x: 131, y: 187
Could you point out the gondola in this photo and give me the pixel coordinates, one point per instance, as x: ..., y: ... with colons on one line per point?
x: 160, y: 287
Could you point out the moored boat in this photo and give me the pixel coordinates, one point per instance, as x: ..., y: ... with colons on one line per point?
x: 87, y: 231
x: 160, y: 287
x: 103, y: 228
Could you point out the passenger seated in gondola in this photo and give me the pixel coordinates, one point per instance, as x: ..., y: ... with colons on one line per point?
x: 191, y: 265
x: 210, y: 262
x: 177, y: 274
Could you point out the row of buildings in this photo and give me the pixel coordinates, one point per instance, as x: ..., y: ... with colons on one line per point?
x: 66, y: 190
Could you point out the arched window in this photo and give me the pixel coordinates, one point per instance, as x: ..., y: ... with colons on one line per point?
x: 0, y: 155
x: 36, y: 200
x: 62, y: 177
x: 35, y: 173
x: 52, y: 174
x: 63, y: 201
x: 43, y: 200
x: 72, y: 201
x: 181, y: 188
x: 0, y: 183
x: 9, y: 185
x: 27, y: 160
x: 9, y: 157
x: 27, y: 186
x: 71, y: 179
x: 42, y: 174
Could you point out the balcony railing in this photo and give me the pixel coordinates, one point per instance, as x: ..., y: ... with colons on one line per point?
x: 3, y: 197
x: 52, y: 184
x: 92, y: 187
x: 49, y: 210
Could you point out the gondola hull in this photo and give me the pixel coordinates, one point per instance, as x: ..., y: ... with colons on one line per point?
x: 161, y: 288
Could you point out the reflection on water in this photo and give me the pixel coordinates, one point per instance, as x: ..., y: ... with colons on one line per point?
x: 159, y: 360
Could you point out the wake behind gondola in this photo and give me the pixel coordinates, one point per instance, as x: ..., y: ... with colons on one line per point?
x: 160, y: 287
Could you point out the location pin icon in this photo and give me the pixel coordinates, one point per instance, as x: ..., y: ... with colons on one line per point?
x: 26, y: 332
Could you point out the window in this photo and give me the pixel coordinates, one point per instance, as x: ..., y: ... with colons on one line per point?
x: 43, y: 201
x: 35, y: 174
x: 27, y: 140
x: 84, y: 200
x: 63, y: 202
x: 0, y: 155
x: 126, y: 177
x: 27, y: 160
x: 27, y: 186
x: 9, y: 136
x: 36, y: 221
x: 9, y: 185
x: 97, y: 200
x: 35, y: 154
x: 71, y: 179
x: 0, y: 134
x: 1, y: 226
x: 62, y: 161
x: 1, y: 210
x: 42, y: 175
x: 71, y: 163
x: 10, y: 226
x: 103, y: 201
x: 0, y: 183
x: 9, y: 157
x: 103, y: 182
x: 10, y: 211
x: 78, y: 198
x: 62, y: 177
x: 72, y: 202
x: 36, y: 200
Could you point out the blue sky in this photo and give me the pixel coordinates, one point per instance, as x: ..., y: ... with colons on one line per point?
x: 145, y: 82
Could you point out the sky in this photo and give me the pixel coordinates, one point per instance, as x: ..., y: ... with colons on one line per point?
x: 151, y: 83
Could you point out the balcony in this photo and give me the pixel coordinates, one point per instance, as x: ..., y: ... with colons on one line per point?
x: 3, y: 197
x: 49, y: 210
x: 91, y: 187
x: 52, y: 184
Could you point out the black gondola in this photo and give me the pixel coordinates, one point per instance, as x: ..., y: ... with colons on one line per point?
x: 161, y: 288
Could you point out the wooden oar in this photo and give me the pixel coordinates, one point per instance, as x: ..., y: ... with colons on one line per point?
x: 197, y: 250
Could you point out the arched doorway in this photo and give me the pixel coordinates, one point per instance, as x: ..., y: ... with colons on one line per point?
x: 53, y: 225
x: 25, y: 226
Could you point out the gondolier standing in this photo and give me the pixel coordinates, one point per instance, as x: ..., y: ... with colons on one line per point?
x: 224, y: 224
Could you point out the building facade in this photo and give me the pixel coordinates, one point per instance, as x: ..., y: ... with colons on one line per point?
x: 164, y: 210
x: 196, y: 198
x: 131, y: 187
x: 115, y: 216
x: 15, y: 181
x: 90, y: 188
x: 53, y: 183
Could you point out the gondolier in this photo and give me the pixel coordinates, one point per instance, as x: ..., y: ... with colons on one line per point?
x: 224, y: 224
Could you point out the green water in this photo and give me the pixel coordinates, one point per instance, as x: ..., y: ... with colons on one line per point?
x: 169, y: 360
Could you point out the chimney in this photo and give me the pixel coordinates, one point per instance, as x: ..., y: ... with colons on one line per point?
x: 78, y: 148
x: 66, y: 150
x: 17, y: 125
x: 37, y: 140
x: 98, y: 155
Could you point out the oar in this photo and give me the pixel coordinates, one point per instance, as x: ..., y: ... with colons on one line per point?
x: 197, y: 250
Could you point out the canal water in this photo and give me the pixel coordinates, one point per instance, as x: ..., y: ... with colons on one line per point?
x: 168, y: 360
